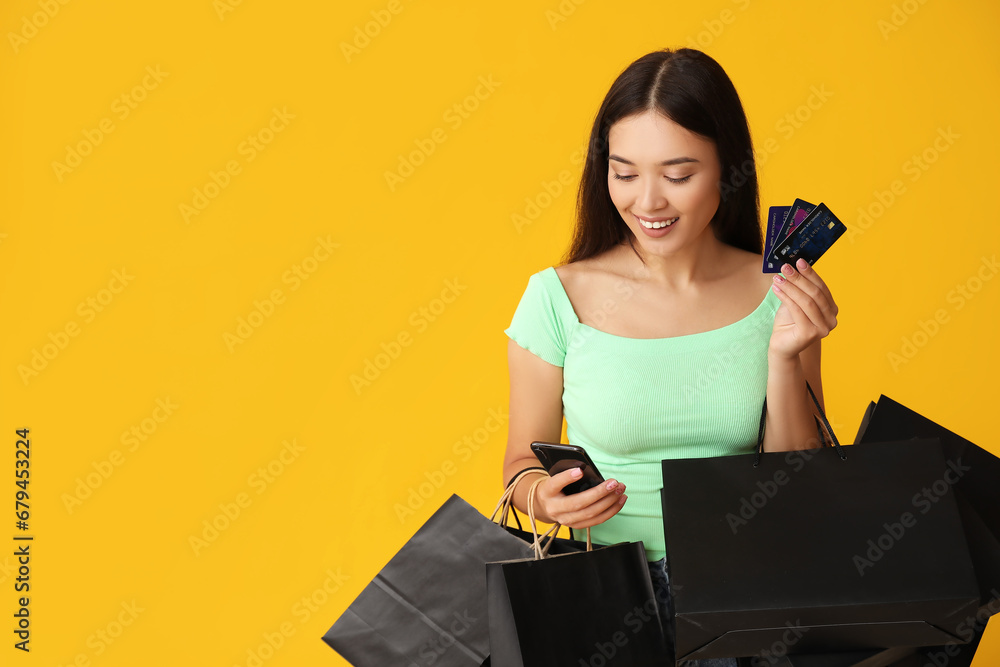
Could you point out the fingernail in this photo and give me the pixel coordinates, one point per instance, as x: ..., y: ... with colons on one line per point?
x: 611, y: 485
x: 575, y: 473
x: 787, y: 269
x: 801, y: 263
x: 621, y: 501
x: 778, y: 278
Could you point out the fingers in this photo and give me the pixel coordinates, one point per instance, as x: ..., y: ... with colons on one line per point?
x: 809, y: 295
x: 596, y: 513
x: 583, y: 509
x: 561, y: 480
x: 803, y: 270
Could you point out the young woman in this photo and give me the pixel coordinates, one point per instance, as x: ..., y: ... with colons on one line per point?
x: 659, y: 336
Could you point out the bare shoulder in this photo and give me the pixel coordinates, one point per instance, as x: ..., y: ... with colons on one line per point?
x: 582, y: 275
x: 588, y: 281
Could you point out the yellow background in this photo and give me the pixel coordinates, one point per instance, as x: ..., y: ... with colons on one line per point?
x: 894, y: 75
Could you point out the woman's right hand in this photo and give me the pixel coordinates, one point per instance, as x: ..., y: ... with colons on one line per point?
x: 579, y: 510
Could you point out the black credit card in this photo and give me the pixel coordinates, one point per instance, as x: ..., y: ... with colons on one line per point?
x: 775, y: 218
x: 797, y: 213
x: 810, y: 239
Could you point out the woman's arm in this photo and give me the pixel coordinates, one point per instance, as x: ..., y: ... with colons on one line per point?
x: 536, y: 414
x: 789, y: 421
x: 807, y: 314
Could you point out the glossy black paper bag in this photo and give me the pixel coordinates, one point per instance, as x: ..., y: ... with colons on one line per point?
x: 978, y: 494
x: 810, y: 552
x: 591, y: 608
x: 428, y: 604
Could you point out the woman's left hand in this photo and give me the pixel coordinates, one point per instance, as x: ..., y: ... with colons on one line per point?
x: 807, y: 312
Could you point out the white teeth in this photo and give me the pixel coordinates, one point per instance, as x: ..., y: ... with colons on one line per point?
x: 657, y: 225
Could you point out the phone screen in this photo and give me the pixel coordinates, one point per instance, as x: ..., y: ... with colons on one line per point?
x: 558, y: 457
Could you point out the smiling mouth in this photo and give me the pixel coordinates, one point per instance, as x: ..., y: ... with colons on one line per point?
x: 656, y: 225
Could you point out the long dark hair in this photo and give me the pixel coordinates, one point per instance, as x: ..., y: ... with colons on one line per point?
x: 690, y: 88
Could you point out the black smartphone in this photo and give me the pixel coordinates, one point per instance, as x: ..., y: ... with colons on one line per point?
x: 557, y: 457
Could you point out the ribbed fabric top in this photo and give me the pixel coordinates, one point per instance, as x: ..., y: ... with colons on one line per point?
x: 632, y: 402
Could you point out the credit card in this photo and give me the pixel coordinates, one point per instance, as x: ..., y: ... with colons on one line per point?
x: 796, y: 214
x: 811, y: 238
x: 775, y: 218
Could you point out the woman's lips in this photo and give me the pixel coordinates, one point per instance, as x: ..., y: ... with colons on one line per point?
x: 657, y: 224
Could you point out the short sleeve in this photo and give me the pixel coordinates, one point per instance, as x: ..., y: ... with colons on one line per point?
x: 537, y: 325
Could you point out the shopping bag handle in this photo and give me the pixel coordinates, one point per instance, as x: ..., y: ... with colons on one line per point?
x: 506, y: 506
x: 551, y: 532
x: 822, y: 416
x: 506, y: 501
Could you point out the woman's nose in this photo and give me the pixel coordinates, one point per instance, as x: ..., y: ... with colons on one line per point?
x: 652, y: 198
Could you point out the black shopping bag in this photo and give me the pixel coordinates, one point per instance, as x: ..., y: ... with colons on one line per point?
x: 980, y: 470
x: 552, y: 544
x: 978, y: 496
x: 428, y: 604
x: 813, y: 551
x: 592, y: 608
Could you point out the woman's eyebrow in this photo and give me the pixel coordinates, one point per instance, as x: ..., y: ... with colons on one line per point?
x: 665, y: 163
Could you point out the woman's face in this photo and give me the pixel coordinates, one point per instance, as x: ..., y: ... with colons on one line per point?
x: 659, y: 171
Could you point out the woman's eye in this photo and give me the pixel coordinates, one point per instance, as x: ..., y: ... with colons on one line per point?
x: 672, y: 180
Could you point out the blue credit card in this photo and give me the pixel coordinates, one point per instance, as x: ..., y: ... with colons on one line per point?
x: 811, y: 238
x: 797, y: 213
x: 775, y: 218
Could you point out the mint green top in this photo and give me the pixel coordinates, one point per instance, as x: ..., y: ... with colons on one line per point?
x: 631, y: 402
